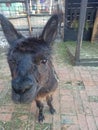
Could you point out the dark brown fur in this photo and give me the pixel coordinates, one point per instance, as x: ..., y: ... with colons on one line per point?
x: 30, y: 62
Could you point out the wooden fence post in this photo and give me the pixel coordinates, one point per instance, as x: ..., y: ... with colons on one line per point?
x: 80, y: 29
x: 65, y: 18
x: 95, y: 29
x: 28, y: 16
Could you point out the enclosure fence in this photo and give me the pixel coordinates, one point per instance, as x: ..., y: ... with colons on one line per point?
x: 26, y: 16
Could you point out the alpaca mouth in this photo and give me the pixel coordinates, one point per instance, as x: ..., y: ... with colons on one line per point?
x: 25, y: 96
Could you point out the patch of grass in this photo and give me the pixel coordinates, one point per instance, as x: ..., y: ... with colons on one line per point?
x: 22, y: 108
x: 66, y: 120
x: 69, y: 85
x: 44, y: 126
x: 17, y: 123
x: 5, y: 125
x: 2, y: 125
x: 80, y: 83
x: 6, y: 98
x: 88, y: 50
x: 60, y: 53
x: 93, y: 99
x: 21, y: 121
x: 69, y: 82
x: 8, y: 125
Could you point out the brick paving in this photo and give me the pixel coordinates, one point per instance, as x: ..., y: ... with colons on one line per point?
x: 76, y: 102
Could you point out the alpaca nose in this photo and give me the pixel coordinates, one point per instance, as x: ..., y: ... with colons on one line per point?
x: 21, y: 87
x: 20, y: 90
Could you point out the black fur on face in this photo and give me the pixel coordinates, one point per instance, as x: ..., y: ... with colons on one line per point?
x: 29, y: 60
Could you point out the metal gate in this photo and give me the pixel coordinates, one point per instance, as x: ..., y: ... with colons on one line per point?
x: 72, y: 14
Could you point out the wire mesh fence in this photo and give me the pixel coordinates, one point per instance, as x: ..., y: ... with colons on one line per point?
x: 27, y: 18
x: 17, y: 13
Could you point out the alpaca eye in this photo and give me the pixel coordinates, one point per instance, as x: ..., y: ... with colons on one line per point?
x: 44, y: 61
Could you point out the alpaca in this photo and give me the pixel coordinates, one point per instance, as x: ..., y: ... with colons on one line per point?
x: 30, y: 63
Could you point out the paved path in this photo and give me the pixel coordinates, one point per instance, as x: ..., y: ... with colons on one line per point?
x: 77, y: 98
x: 76, y: 102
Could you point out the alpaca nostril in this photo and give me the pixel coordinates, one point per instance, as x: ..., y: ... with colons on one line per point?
x: 26, y: 88
x: 21, y: 90
x: 16, y: 90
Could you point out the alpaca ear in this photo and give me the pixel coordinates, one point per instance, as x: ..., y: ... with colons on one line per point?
x: 10, y: 32
x: 50, y: 29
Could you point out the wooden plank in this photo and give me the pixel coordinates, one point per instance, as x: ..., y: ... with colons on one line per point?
x: 95, y: 29
x: 90, y: 59
x: 86, y: 63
